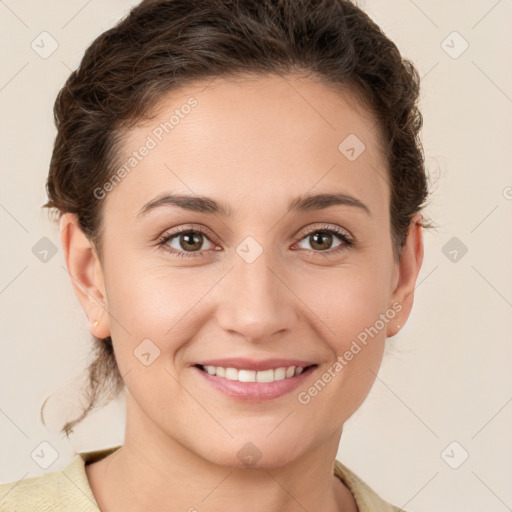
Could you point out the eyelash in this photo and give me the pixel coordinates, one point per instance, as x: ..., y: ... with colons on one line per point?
x: 347, y: 241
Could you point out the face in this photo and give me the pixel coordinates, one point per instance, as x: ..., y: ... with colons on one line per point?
x: 241, y: 275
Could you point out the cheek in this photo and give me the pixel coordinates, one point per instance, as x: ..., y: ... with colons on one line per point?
x: 353, y: 305
x: 351, y: 308
x: 347, y: 300
x: 161, y: 304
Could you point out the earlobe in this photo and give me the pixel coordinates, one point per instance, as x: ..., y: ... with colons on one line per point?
x: 409, y: 267
x: 86, y: 275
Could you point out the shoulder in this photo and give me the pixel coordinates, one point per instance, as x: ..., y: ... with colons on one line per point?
x: 57, y: 491
x: 366, y: 498
x: 28, y: 494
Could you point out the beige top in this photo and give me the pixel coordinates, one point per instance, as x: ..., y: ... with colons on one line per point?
x: 68, y: 490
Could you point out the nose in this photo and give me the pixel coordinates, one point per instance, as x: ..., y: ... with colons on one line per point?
x: 255, y: 301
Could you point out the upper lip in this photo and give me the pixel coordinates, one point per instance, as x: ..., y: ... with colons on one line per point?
x: 241, y: 363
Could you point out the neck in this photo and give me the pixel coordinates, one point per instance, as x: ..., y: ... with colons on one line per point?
x: 152, y: 471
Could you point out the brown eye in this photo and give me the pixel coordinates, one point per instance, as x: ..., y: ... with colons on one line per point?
x: 186, y: 242
x: 322, y: 239
x: 190, y: 241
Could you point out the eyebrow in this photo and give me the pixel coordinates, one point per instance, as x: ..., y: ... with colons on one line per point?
x: 202, y: 204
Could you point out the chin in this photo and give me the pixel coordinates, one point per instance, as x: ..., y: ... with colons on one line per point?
x: 243, y: 454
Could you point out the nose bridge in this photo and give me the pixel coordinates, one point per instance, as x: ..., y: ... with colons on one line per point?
x: 256, y: 302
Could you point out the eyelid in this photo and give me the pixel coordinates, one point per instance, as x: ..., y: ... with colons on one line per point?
x: 172, y: 232
x: 324, y: 227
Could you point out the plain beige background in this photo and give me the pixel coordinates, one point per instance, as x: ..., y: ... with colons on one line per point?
x: 444, y: 391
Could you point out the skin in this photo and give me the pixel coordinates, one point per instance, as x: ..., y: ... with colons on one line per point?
x: 253, y: 144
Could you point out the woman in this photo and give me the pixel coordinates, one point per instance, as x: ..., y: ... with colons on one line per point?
x: 239, y: 186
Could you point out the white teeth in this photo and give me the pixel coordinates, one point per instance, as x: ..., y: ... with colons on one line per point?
x: 265, y: 376
x: 231, y: 374
x: 246, y: 375
x: 254, y: 376
x: 290, y: 372
x: 279, y: 373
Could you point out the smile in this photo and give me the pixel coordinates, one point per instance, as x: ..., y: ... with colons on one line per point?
x: 254, y: 385
x: 270, y: 375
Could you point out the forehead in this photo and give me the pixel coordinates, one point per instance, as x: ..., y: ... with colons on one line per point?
x: 253, y: 139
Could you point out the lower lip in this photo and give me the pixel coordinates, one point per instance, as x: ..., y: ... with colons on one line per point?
x: 256, y: 391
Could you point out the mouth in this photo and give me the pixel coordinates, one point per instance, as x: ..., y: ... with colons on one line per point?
x: 243, y: 375
x: 248, y: 379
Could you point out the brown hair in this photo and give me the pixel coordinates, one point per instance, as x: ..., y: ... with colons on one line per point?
x: 163, y: 45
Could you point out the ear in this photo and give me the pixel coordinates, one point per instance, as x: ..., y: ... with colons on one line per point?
x: 406, y: 274
x: 86, y: 274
